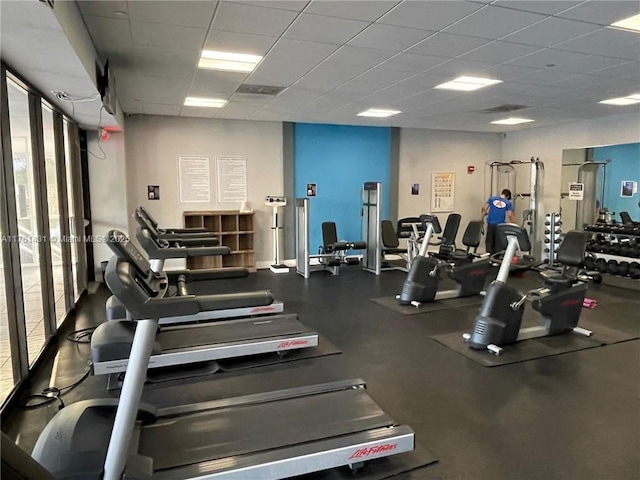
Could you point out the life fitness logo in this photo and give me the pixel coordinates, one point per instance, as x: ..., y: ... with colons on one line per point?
x: 367, y: 452
x: 499, y: 203
x: 570, y: 303
x: 477, y: 272
x: 292, y: 343
x: 261, y: 309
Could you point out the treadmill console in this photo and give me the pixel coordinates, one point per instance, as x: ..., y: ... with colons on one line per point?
x: 120, y: 244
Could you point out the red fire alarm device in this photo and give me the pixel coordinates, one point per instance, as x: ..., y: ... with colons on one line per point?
x: 471, y: 169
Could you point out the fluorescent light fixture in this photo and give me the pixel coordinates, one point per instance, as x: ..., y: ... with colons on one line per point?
x: 227, y: 61
x: 512, y: 121
x: 378, y: 113
x: 631, y: 23
x: 204, y: 102
x: 628, y: 100
x: 467, y: 84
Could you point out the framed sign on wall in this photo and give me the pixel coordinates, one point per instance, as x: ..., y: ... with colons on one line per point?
x: 442, y: 189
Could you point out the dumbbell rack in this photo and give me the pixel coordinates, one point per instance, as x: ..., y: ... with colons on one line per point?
x: 552, y: 232
x: 616, y: 249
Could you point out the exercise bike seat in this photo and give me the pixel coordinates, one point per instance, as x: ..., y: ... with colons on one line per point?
x: 390, y: 242
x: 471, y: 239
x: 570, y: 255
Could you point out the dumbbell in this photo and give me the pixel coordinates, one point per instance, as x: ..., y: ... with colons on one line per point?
x: 612, y: 267
x: 623, y: 268
x: 589, y: 263
x: 634, y: 270
x: 601, y: 265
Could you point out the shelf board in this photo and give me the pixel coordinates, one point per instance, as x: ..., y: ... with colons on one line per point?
x: 239, y: 232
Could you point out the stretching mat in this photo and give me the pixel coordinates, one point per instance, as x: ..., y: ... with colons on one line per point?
x: 392, y: 304
x: 381, y: 468
x: 538, y: 347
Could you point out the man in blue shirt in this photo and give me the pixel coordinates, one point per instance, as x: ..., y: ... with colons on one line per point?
x: 498, y: 209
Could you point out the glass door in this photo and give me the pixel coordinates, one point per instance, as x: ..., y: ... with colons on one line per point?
x: 28, y: 235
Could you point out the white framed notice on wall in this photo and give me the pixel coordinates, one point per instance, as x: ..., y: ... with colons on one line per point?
x: 442, y: 188
x: 194, y: 179
x: 232, y: 179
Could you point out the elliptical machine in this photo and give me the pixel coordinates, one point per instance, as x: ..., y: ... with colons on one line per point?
x: 559, y: 300
x: 470, y: 271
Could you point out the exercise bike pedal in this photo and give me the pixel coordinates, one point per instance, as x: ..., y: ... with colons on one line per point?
x: 496, y: 350
x: 583, y: 331
x: 416, y: 304
x: 466, y: 336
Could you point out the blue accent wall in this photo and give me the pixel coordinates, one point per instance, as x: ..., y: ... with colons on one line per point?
x: 624, y: 165
x: 339, y: 159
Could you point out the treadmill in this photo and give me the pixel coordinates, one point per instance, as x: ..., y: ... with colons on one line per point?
x: 266, y: 436
x: 135, y: 286
x: 158, y: 250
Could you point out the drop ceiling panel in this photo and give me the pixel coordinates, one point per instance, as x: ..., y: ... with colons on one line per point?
x: 389, y: 37
x: 406, y: 62
x: 165, y: 62
x: 606, y: 41
x: 160, y: 109
x: 104, y: 8
x: 240, y: 18
x: 198, y: 112
x: 447, y: 45
x: 547, y: 7
x: 291, y: 99
x: 163, y: 90
x: 602, y: 12
x: 583, y: 81
x: 455, y: 68
x: 128, y: 89
x: 185, y: 12
x: 498, y: 52
x: 357, y: 57
x: 208, y: 82
x: 318, y: 28
x: 550, y: 32
x: 169, y: 36
x: 431, y: 15
x: 300, y: 50
x: 327, y: 77
x: 293, y: 5
x: 494, y: 22
x: 132, y: 108
x: 592, y: 63
x: 509, y: 72
x: 239, y: 42
x: 360, y: 10
x: 115, y: 29
x: 543, y: 77
x: 384, y: 75
x: 548, y: 56
x: 629, y: 70
x: 279, y: 72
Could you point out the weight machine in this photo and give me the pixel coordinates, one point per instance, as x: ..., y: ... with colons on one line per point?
x: 331, y: 255
x: 504, y: 175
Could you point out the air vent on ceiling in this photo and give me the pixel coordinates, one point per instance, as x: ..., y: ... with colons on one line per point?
x: 504, y: 108
x: 259, y: 89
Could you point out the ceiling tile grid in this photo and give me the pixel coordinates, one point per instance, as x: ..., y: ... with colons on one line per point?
x: 335, y: 57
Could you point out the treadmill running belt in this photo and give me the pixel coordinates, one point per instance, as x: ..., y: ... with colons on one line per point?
x: 221, y: 332
x: 195, y: 438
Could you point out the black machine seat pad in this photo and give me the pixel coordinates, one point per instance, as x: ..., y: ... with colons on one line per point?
x: 572, y: 249
x: 557, y: 279
x: 472, y: 234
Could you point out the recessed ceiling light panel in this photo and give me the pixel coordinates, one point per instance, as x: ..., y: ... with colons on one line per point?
x: 204, y: 102
x: 378, y: 113
x: 467, y: 84
x: 631, y: 24
x: 512, y: 121
x: 621, y: 101
x: 228, y: 61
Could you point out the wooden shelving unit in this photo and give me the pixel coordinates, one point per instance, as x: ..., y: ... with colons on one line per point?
x: 235, y: 230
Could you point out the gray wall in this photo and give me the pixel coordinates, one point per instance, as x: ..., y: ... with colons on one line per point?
x: 423, y: 152
x: 155, y: 142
